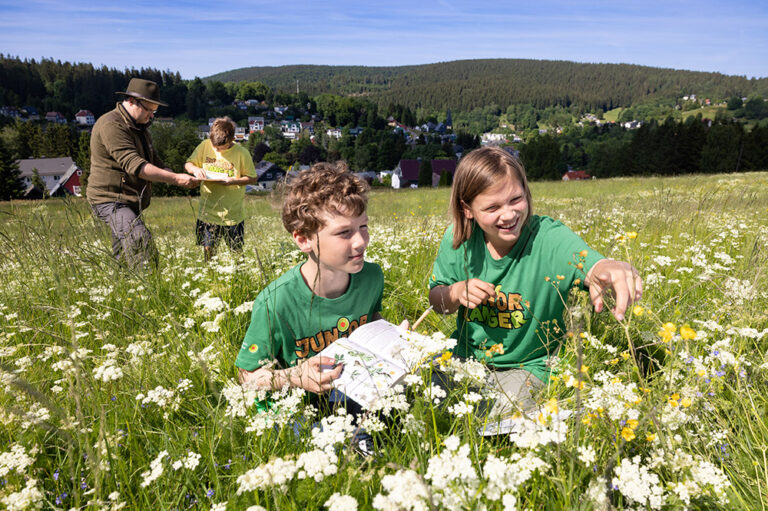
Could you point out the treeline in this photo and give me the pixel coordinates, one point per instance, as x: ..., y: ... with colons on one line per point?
x: 666, y: 148
x: 53, y: 85
x: 465, y: 85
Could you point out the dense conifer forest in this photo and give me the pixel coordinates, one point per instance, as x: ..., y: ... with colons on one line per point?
x: 464, y: 85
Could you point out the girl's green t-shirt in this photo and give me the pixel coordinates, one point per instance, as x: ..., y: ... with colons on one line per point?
x: 526, y: 317
x: 289, y: 323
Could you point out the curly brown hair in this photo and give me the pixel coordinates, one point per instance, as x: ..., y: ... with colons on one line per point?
x: 324, y: 188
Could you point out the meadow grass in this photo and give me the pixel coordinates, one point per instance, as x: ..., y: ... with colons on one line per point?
x: 119, y: 386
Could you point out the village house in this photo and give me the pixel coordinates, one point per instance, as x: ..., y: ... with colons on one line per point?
x: 576, y: 175
x: 309, y: 126
x: 10, y: 111
x: 333, y: 132
x: 255, y: 124
x: 55, y: 117
x: 85, y: 118
x: 493, y: 138
x: 30, y: 113
x: 203, y: 131
x: 406, y: 174
x: 290, y: 129
x: 268, y: 175
x: 60, y: 175
x: 241, y: 134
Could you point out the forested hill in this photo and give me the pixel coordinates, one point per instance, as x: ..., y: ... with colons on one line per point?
x: 463, y: 85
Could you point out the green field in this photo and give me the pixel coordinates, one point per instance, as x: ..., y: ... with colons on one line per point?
x: 119, y: 388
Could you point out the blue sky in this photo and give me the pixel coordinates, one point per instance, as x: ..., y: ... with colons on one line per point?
x: 202, y: 38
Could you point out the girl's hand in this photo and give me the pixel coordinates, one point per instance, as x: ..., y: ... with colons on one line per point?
x: 618, y: 277
x: 471, y: 293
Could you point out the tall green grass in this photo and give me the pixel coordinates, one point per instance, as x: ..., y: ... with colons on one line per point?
x: 701, y: 245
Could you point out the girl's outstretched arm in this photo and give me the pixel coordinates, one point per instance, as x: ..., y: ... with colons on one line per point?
x: 621, y: 278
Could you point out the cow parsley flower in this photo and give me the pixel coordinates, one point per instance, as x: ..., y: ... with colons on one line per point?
x: 28, y: 497
x: 316, y: 464
x: 16, y: 459
x: 278, y: 472
x: 155, y: 470
x: 339, y: 502
x: 335, y: 429
x: 638, y: 484
x: 404, y: 490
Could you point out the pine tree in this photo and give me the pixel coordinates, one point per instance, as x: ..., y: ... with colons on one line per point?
x: 38, y: 183
x: 83, y: 160
x: 11, y: 185
x: 425, y: 173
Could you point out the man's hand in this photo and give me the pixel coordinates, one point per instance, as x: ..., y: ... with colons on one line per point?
x: 618, y: 277
x: 310, y: 375
x: 186, y: 181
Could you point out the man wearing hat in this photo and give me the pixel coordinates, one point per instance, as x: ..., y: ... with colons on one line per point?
x: 123, y: 162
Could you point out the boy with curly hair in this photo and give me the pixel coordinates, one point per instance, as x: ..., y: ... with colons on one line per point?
x: 326, y: 297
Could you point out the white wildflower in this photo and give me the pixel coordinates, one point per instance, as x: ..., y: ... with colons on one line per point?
x: 339, y: 502
x: 638, y: 484
x: 316, y: 464
x: 16, y: 459
x: 28, y: 497
x: 405, y: 490
x: 587, y: 454
x: 278, y: 472
x: 155, y: 470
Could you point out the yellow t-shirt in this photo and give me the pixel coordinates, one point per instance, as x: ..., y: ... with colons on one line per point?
x: 221, y: 204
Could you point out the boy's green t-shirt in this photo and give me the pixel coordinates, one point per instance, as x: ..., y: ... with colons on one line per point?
x: 221, y: 204
x: 289, y: 323
x: 527, y: 315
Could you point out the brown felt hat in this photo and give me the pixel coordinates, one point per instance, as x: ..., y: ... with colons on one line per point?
x: 146, y: 90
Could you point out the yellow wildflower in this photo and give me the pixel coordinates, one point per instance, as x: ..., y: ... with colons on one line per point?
x: 632, y: 423
x: 584, y: 368
x: 688, y: 333
x: 638, y: 310
x: 631, y: 235
x: 650, y: 437
x: 551, y: 406
x: 628, y: 434
x: 685, y: 402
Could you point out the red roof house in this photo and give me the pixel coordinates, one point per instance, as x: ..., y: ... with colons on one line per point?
x: 575, y: 175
